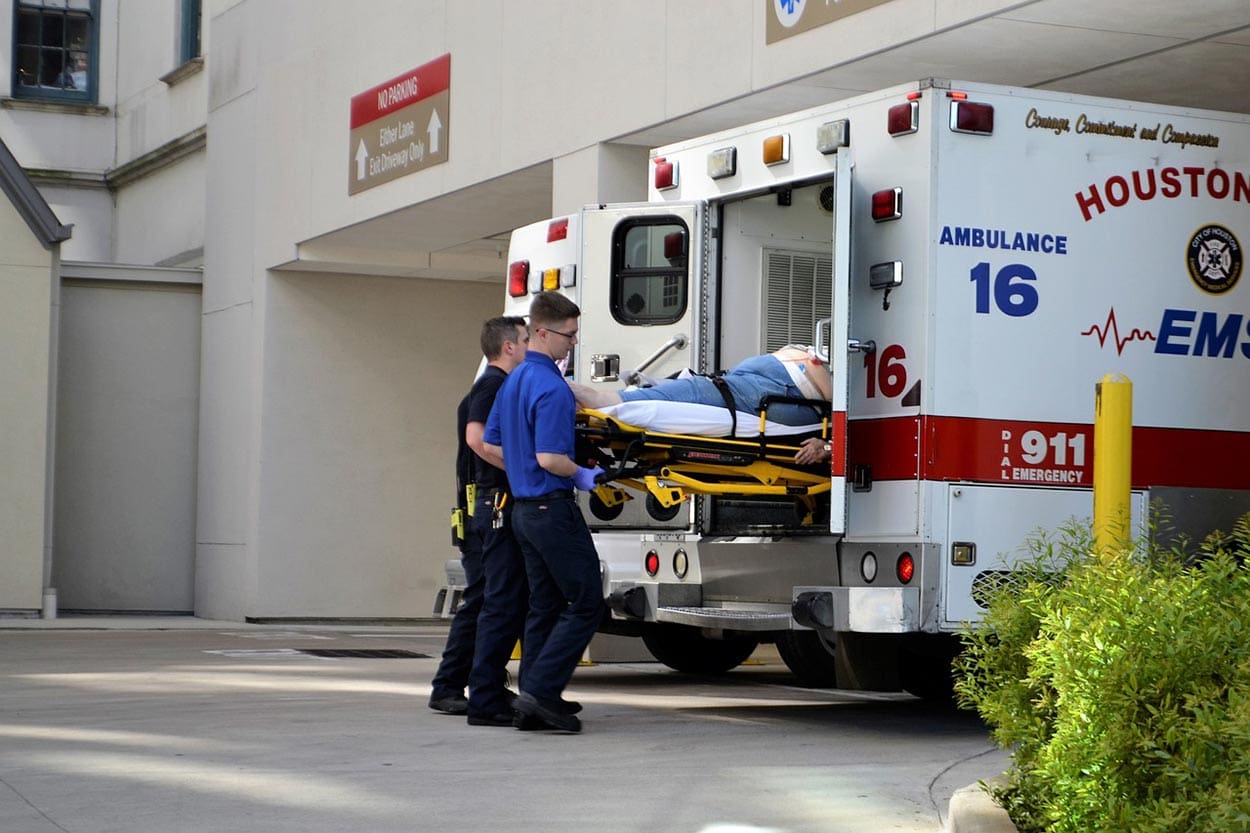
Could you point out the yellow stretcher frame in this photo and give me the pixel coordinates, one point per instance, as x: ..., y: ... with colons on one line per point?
x: 673, y: 467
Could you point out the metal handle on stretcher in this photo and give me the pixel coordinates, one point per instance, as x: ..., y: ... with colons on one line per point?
x: 677, y: 342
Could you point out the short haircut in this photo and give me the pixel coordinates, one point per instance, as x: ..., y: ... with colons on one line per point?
x: 497, y: 330
x: 549, y: 308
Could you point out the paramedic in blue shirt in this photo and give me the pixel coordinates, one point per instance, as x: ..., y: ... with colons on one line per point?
x: 532, y: 426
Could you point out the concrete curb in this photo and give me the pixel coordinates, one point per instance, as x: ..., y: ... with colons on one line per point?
x: 972, y: 810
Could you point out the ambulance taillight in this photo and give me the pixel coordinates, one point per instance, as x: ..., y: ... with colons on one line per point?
x: 558, y: 230
x: 518, y: 278
x: 905, y: 568
x: 651, y: 562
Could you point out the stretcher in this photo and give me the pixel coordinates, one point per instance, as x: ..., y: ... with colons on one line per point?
x: 685, y: 449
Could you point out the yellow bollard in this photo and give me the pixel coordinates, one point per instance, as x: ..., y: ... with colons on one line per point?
x: 1113, y: 463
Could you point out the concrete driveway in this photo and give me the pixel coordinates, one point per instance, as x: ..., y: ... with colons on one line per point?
x: 184, y: 725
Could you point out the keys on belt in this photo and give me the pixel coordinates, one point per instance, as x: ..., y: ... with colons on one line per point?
x: 496, y: 518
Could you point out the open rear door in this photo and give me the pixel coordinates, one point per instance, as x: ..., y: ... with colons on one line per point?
x: 838, y: 348
x: 641, y: 294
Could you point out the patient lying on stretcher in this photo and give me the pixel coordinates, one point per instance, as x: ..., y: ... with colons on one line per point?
x: 793, y: 371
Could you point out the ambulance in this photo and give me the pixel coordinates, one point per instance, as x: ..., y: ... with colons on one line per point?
x: 970, y: 260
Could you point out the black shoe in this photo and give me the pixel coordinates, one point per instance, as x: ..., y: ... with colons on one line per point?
x: 453, y: 704
x: 525, y: 722
x: 570, y: 706
x: 548, y: 713
x: 509, y: 698
x: 501, y: 719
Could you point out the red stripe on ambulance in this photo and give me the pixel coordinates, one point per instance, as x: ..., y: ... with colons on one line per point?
x: 1041, y: 453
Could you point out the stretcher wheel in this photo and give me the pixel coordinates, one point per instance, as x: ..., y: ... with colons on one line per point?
x: 602, y: 511
x: 660, y: 512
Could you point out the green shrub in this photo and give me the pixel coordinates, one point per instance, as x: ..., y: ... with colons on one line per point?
x: 1122, y: 685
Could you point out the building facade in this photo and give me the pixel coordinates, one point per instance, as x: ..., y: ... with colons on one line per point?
x: 289, y: 219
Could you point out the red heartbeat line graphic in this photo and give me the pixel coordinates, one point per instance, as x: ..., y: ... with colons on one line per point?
x: 1109, y: 328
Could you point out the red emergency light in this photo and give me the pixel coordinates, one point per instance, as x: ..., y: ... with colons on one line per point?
x: 665, y: 174
x: 904, y: 118
x: 887, y: 204
x: 558, y: 230
x: 972, y: 117
x: 518, y: 278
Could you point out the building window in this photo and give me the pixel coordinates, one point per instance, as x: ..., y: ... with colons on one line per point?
x: 649, y: 271
x: 190, y: 37
x: 54, y: 50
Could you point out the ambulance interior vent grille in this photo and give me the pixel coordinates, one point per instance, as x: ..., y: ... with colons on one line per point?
x: 798, y: 292
x: 826, y: 199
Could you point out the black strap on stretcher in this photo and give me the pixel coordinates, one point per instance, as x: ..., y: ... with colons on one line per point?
x: 728, y: 396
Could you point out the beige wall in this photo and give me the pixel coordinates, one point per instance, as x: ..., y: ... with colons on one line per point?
x: 362, y: 376
x: 27, y: 273
x: 127, y: 405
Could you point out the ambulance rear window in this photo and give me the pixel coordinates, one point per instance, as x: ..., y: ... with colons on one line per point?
x: 649, y: 270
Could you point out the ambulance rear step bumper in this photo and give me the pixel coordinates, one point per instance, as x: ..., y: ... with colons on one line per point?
x: 726, y: 619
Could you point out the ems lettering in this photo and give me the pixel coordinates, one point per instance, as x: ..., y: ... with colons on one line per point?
x: 1186, y: 332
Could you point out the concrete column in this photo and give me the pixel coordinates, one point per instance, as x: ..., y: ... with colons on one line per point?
x: 231, y: 338
x: 598, y: 174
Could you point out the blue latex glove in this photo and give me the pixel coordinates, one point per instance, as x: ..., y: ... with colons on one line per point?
x: 584, y: 479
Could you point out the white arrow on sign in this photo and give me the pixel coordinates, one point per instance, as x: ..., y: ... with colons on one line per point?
x: 434, y: 127
x: 362, y: 155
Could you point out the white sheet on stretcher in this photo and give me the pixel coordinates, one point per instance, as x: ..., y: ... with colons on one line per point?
x: 669, y: 417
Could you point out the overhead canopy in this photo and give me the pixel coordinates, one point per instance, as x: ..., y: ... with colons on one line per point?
x: 29, y: 203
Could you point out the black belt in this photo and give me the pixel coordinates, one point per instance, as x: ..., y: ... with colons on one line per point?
x: 558, y: 494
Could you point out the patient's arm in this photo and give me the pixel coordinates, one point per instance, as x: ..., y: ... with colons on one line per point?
x: 588, y: 397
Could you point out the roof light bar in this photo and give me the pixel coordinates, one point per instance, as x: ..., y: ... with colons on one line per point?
x: 777, y: 149
x: 665, y: 174
x: 722, y: 163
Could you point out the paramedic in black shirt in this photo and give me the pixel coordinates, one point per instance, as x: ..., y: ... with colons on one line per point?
x: 492, y: 613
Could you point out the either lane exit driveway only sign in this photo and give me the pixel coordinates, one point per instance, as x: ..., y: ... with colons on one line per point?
x: 400, y: 126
